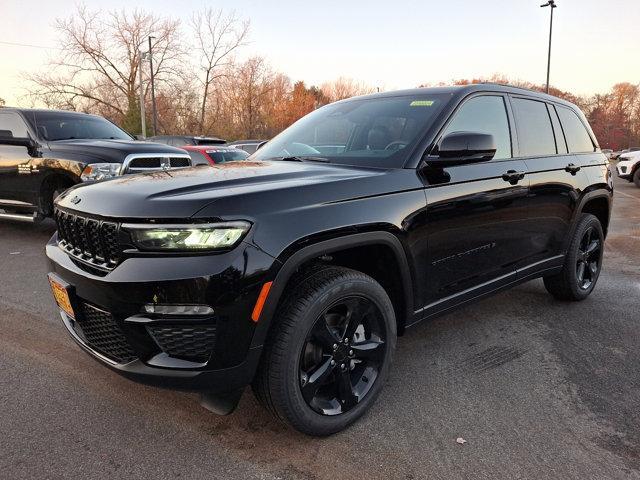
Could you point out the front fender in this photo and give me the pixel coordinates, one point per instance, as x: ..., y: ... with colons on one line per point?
x: 294, y: 261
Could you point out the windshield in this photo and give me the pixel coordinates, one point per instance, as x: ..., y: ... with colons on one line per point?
x: 67, y: 126
x: 231, y: 155
x: 378, y: 131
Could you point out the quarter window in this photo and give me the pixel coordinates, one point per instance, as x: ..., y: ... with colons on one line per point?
x: 557, y: 129
x: 535, y: 135
x: 578, y: 138
x: 484, y: 114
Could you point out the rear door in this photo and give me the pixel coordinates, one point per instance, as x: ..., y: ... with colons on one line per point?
x: 582, y: 147
x: 554, y: 181
x: 476, y: 213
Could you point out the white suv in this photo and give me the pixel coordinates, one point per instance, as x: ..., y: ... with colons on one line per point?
x: 629, y: 167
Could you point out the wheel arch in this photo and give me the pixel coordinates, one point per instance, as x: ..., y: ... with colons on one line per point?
x: 596, y: 202
x: 340, y: 252
x: 599, y: 205
x: 54, y: 180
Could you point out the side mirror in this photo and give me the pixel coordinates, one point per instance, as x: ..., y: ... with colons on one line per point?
x: 16, y: 141
x: 459, y: 148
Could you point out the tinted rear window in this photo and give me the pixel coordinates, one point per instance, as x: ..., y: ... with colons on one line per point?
x: 535, y: 135
x: 578, y: 138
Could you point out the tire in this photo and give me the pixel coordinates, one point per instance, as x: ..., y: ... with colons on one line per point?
x: 636, y: 177
x: 298, y: 350
x: 583, y: 262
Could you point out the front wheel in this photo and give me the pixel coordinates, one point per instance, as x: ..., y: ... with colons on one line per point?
x: 582, y: 263
x: 636, y: 177
x: 328, y: 356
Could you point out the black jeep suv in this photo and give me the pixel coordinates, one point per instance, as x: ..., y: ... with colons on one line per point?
x: 43, y: 152
x: 295, y: 270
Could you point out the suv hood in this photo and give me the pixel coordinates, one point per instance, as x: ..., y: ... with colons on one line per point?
x: 109, y: 150
x: 232, y: 186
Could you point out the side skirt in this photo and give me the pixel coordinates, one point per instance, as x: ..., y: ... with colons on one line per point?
x: 543, y: 268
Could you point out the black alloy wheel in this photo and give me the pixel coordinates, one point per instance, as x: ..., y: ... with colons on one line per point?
x: 582, y: 263
x: 588, y: 259
x: 342, y: 356
x: 329, y: 352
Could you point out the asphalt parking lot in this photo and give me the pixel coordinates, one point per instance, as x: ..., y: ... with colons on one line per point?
x: 537, y: 388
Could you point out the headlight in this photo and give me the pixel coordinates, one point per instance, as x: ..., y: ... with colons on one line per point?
x: 214, y: 236
x: 100, y: 171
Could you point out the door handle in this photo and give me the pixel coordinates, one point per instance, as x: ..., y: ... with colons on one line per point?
x: 513, y: 176
x: 572, y: 169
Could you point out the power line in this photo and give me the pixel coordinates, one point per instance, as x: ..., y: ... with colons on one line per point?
x: 14, y: 44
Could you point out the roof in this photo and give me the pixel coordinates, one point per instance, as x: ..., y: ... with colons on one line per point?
x: 464, y: 90
x: 243, y: 142
x: 204, y: 148
x: 196, y: 137
x: 44, y: 110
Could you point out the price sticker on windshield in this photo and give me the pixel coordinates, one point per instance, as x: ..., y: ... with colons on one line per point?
x: 421, y: 103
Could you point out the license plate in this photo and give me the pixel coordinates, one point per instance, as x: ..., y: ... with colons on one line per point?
x: 61, y: 295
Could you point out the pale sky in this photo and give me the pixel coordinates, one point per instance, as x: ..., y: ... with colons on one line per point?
x: 389, y: 44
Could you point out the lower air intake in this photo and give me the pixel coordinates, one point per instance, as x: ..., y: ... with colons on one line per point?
x: 102, y: 334
x: 193, y: 343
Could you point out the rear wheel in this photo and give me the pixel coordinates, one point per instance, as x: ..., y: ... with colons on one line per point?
x: 328, y: 356
x: 582, y: 263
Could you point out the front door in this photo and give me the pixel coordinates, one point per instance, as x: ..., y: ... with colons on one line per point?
x: 476, y: 213
x: 14, y: 163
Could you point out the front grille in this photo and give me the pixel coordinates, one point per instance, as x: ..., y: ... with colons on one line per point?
x: 150, y: 163
x: 194, y: 343
x: 100, y: 332
x: 88, y: 239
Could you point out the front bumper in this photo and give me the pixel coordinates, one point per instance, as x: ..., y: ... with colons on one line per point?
x: 624, y: 169
x: 210, y: 353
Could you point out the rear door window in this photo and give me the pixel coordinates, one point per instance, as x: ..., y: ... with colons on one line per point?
x: 535, y: 134
x: 11, y: 125
x: 578, y: 138
x: 484, y: 114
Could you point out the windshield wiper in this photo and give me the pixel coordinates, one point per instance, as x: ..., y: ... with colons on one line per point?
x: 299, y: 158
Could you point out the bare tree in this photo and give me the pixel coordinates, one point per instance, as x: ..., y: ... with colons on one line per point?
x: 217, y: 37
x: 343, y: 87
x: 97, y: 67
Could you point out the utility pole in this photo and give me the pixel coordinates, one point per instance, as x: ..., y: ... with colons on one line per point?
x: 552, y: 4
x: 153, y: 90
x: 143, y: 123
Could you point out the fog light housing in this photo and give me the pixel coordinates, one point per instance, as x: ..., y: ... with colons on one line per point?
x: 176, y: 310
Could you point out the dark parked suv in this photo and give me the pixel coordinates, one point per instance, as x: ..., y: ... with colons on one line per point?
x: 294, y: 271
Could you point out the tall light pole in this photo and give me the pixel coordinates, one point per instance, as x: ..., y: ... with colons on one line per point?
x: 552, y: 5
x: 153, y: 90
x: 143, y: 123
